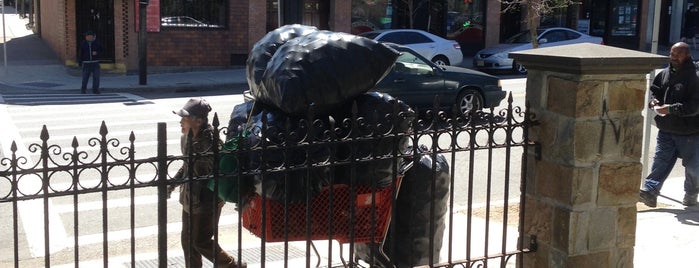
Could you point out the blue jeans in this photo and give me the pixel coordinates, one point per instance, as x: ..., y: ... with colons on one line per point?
x: 94, y: 69
x: 670, y: 147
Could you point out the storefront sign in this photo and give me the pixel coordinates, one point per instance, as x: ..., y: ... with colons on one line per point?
x: 153, y: 15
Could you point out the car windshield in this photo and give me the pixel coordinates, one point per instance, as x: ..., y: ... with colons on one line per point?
x: 522, y: 37
x: 408, y: 62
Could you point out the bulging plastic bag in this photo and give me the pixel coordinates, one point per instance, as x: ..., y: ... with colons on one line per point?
x: 383, y: 122
x: 412, y: 234
x: 324, y: 68
x: 265, y: 48
x: 285, y: 155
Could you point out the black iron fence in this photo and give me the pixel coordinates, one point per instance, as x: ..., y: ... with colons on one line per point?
x: 446, y: 192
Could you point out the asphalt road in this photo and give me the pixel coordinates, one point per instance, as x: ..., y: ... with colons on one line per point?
x: 122, y: 113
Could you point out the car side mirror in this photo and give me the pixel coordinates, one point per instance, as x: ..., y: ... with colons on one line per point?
x: 543, y: 40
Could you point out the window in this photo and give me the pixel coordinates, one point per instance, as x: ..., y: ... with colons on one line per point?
x: 405, y: 38
x: 554, y: 36
x: 572, y: 35
x: 193, y: 13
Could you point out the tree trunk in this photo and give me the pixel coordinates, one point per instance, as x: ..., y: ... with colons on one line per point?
x: 532, y: 17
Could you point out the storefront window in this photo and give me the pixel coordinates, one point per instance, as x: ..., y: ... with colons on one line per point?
x: 369, y: 15
x: 465, y: 20
x: 623, y: 20
x: 193, y: 13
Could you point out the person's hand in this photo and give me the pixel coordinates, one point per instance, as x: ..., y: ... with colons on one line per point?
x: 653, y: 103
x: 170, y: 189
x: 661, y: 110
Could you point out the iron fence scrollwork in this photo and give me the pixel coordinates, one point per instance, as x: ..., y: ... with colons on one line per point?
x: 470, y: 145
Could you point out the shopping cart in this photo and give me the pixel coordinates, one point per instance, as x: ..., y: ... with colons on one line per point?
x: 336, y: 213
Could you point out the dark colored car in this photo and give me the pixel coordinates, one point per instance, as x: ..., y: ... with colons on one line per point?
x: 416, y: 81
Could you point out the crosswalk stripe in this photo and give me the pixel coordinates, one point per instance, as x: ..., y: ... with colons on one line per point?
x: 31, y: 220
x: 66, y: 115
x: 52, y: 99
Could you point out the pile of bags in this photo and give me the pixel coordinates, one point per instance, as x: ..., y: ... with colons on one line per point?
x: 311, y: 90
x: 305, y: 83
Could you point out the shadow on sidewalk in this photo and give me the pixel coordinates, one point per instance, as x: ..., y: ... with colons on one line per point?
x: 29, y: 50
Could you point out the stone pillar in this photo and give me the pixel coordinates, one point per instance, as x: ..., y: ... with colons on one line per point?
x: 582, y: 191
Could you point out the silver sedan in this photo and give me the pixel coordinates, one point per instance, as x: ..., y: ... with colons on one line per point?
x: 496, y: 58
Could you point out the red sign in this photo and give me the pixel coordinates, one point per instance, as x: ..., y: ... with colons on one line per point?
x: 153, y: 15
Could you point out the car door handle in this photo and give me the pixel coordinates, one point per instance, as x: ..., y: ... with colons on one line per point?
x: 399, y: 80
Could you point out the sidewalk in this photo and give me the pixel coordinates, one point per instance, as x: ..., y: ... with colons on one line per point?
x: 33, y: 66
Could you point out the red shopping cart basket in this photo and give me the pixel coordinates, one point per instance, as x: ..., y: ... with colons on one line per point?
x: 328, y: 215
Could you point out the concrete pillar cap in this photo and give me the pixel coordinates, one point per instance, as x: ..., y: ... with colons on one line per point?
x: 588, y: 58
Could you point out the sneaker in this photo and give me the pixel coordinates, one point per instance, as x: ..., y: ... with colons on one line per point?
x: 648, y: 199
x: 689, y: 200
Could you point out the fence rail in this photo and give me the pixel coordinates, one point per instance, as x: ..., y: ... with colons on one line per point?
x: 472, y: 225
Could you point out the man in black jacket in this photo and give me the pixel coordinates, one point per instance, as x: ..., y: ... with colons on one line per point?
x: 675, y: 100
x: 88, y: 57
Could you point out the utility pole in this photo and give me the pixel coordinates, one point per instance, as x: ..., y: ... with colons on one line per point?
x: 142, y: 44
x: 4, y: 38
x: 645, y: 149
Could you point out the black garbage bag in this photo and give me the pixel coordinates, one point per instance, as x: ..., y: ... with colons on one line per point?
x: 411, y: 236
x: 382, y: 124
x: 325, y: 68
x: 280, y: 170
x: 263, y: 50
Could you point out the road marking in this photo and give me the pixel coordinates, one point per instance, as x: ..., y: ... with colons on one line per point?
x: 30, y: 211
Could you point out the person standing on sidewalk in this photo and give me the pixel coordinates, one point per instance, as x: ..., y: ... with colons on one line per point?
x: 675, y: 99
x: 198, y: 213
x: 88, y: 57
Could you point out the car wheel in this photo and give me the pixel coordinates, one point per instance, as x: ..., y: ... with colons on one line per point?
x: 469, y: 100
x: 519, y: 68
x: 440, y: 60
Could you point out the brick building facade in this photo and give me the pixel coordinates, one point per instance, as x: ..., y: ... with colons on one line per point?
x: 63, y: 22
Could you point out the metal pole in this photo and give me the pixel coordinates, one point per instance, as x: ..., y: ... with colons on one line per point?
x: 162, y: 195
x: 279, y: 13
x: 645, y: 147
x: 142, y: 44
x: 656, y: 27
x: 4, y: 38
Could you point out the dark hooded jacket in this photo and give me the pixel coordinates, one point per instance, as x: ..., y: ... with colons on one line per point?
x: 680, y: 90
x: 201, y: 197
x: 85, y: 54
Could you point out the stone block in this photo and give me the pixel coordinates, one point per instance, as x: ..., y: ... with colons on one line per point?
x: 622, y: 257
x: 597, y: 259
x: 618, y: 184
x: 538, y: 220
x: 575, y: 98
x: 538, y: 259
x: 626, y: 222
x: 622, y: 136
x: 572, y: 231
x: 602, y: 227
x: 587, y: 141
x: 566, y: 185
x: 536, y: 95
x: 626, y: 95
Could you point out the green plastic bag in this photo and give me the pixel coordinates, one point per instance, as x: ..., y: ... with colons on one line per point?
x: 229, y: 183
